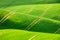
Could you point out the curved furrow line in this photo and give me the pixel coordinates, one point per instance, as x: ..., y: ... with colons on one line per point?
x: 38, y: 19
x: 30, y: 10
x: 52, y: 20
x: 57, y: 31
x: 8, y: 15
x: 55, y: 21
x: 34, y: 36
x: 11, y: 13
x: 33, y: 16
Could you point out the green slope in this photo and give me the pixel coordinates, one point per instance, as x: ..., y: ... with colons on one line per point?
x: 29, y: 19
x: 10, y: 34
x: 25, y: 15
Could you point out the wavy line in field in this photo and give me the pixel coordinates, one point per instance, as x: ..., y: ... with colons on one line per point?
x: 38, y: 19
x: 58, y: 30
x: 34, y: 36
x: 34, y: 22
x: 39, y: 34
x: 7, y: 16
x: 55, y: 21
x: 11, y: 13
x: 30, y: 10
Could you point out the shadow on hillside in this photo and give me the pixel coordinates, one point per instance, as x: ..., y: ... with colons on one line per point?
x: 44, y: 26
x: 7, y: 3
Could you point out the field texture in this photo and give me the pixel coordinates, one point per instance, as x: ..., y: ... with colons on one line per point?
x: 29, y: 19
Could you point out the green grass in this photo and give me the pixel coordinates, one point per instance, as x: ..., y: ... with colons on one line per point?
x: 29, y: 20
x: 32, y: 12
x: 12, y: 34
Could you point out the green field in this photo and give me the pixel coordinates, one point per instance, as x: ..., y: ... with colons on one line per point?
x: 29, y: 19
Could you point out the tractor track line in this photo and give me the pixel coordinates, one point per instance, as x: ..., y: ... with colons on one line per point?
x: 8, y: 15
x: 57, y: 30
x: 38, y: 19
x: 34, y: 36
x: 12, y: 13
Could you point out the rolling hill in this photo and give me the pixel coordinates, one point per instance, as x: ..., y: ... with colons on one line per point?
x: 29, y: 19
